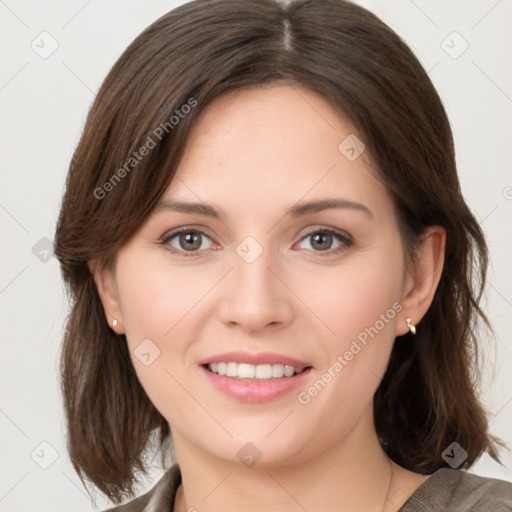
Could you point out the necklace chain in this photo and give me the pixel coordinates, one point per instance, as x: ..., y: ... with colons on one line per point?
x: 180, y: 490
x: 389, y: 486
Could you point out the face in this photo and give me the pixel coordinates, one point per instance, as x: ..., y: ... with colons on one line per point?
x: 321, y: 285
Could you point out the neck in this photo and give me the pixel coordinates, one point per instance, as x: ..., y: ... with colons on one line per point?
x: 354, y: 475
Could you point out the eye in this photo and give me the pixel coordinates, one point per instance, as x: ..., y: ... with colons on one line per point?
x: 185, y: 240
x: 321, y: 240
x: 190, y: 241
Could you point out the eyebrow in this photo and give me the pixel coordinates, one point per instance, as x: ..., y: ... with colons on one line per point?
x: 298, y: 210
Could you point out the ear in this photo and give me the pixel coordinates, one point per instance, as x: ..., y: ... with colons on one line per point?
x: 105, y: 283
x: 421, y: 282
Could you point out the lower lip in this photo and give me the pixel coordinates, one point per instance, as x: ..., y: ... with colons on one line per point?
x: 256, y: 391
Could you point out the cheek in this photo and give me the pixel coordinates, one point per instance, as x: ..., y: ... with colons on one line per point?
x: 156, y: 296
x: 359, y: 302
x: 352, y: 297
x: 362, y: 300
x: 161, y: 308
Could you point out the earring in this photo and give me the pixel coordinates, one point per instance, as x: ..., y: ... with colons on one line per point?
x: 410, y: 325
x: 114, y: 323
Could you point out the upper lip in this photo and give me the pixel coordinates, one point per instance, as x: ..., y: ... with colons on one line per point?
x: 255, y: 359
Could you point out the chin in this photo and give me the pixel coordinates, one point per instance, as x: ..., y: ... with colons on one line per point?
x: 258, y: 448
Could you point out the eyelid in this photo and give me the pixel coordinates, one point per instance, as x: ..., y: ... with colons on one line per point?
x: 328, y: 229
x: 203, y: 230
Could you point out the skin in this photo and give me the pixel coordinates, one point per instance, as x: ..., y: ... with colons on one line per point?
x: 254, y: 153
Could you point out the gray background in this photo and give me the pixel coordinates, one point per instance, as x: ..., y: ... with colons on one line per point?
x: 44, y: 100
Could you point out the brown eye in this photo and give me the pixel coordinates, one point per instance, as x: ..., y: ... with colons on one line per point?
x: 190, y: 241
x: 322, y: 240
x: 186, y: 241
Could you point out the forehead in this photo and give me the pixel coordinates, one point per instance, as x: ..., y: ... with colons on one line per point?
x: 271, y: 146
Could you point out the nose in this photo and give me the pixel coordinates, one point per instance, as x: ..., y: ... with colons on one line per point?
x: 255, y: 297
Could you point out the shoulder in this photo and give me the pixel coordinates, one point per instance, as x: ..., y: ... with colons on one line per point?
x: 160, y: 498
x: 455, y: 490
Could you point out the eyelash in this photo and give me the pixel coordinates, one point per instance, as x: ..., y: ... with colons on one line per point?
x: 346, y: 240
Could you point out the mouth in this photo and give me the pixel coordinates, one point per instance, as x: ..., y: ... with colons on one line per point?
x: 255, y: 377
x: 247, y: 383
x: 260, y: 372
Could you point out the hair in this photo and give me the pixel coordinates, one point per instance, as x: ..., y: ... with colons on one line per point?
x: 428, y: 397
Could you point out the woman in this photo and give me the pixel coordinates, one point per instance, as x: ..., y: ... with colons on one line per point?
x: 270, y: 259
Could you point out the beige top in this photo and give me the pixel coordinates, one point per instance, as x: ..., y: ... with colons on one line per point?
x: 447, y: 490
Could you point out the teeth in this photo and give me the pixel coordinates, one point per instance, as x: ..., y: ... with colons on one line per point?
x: 250, y: 371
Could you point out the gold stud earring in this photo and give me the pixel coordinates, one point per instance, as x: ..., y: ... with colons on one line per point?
x: 114, y: 323
x: 410, y: 325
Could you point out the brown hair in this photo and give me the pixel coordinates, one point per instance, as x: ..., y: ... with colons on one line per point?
x: 427, y: 399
